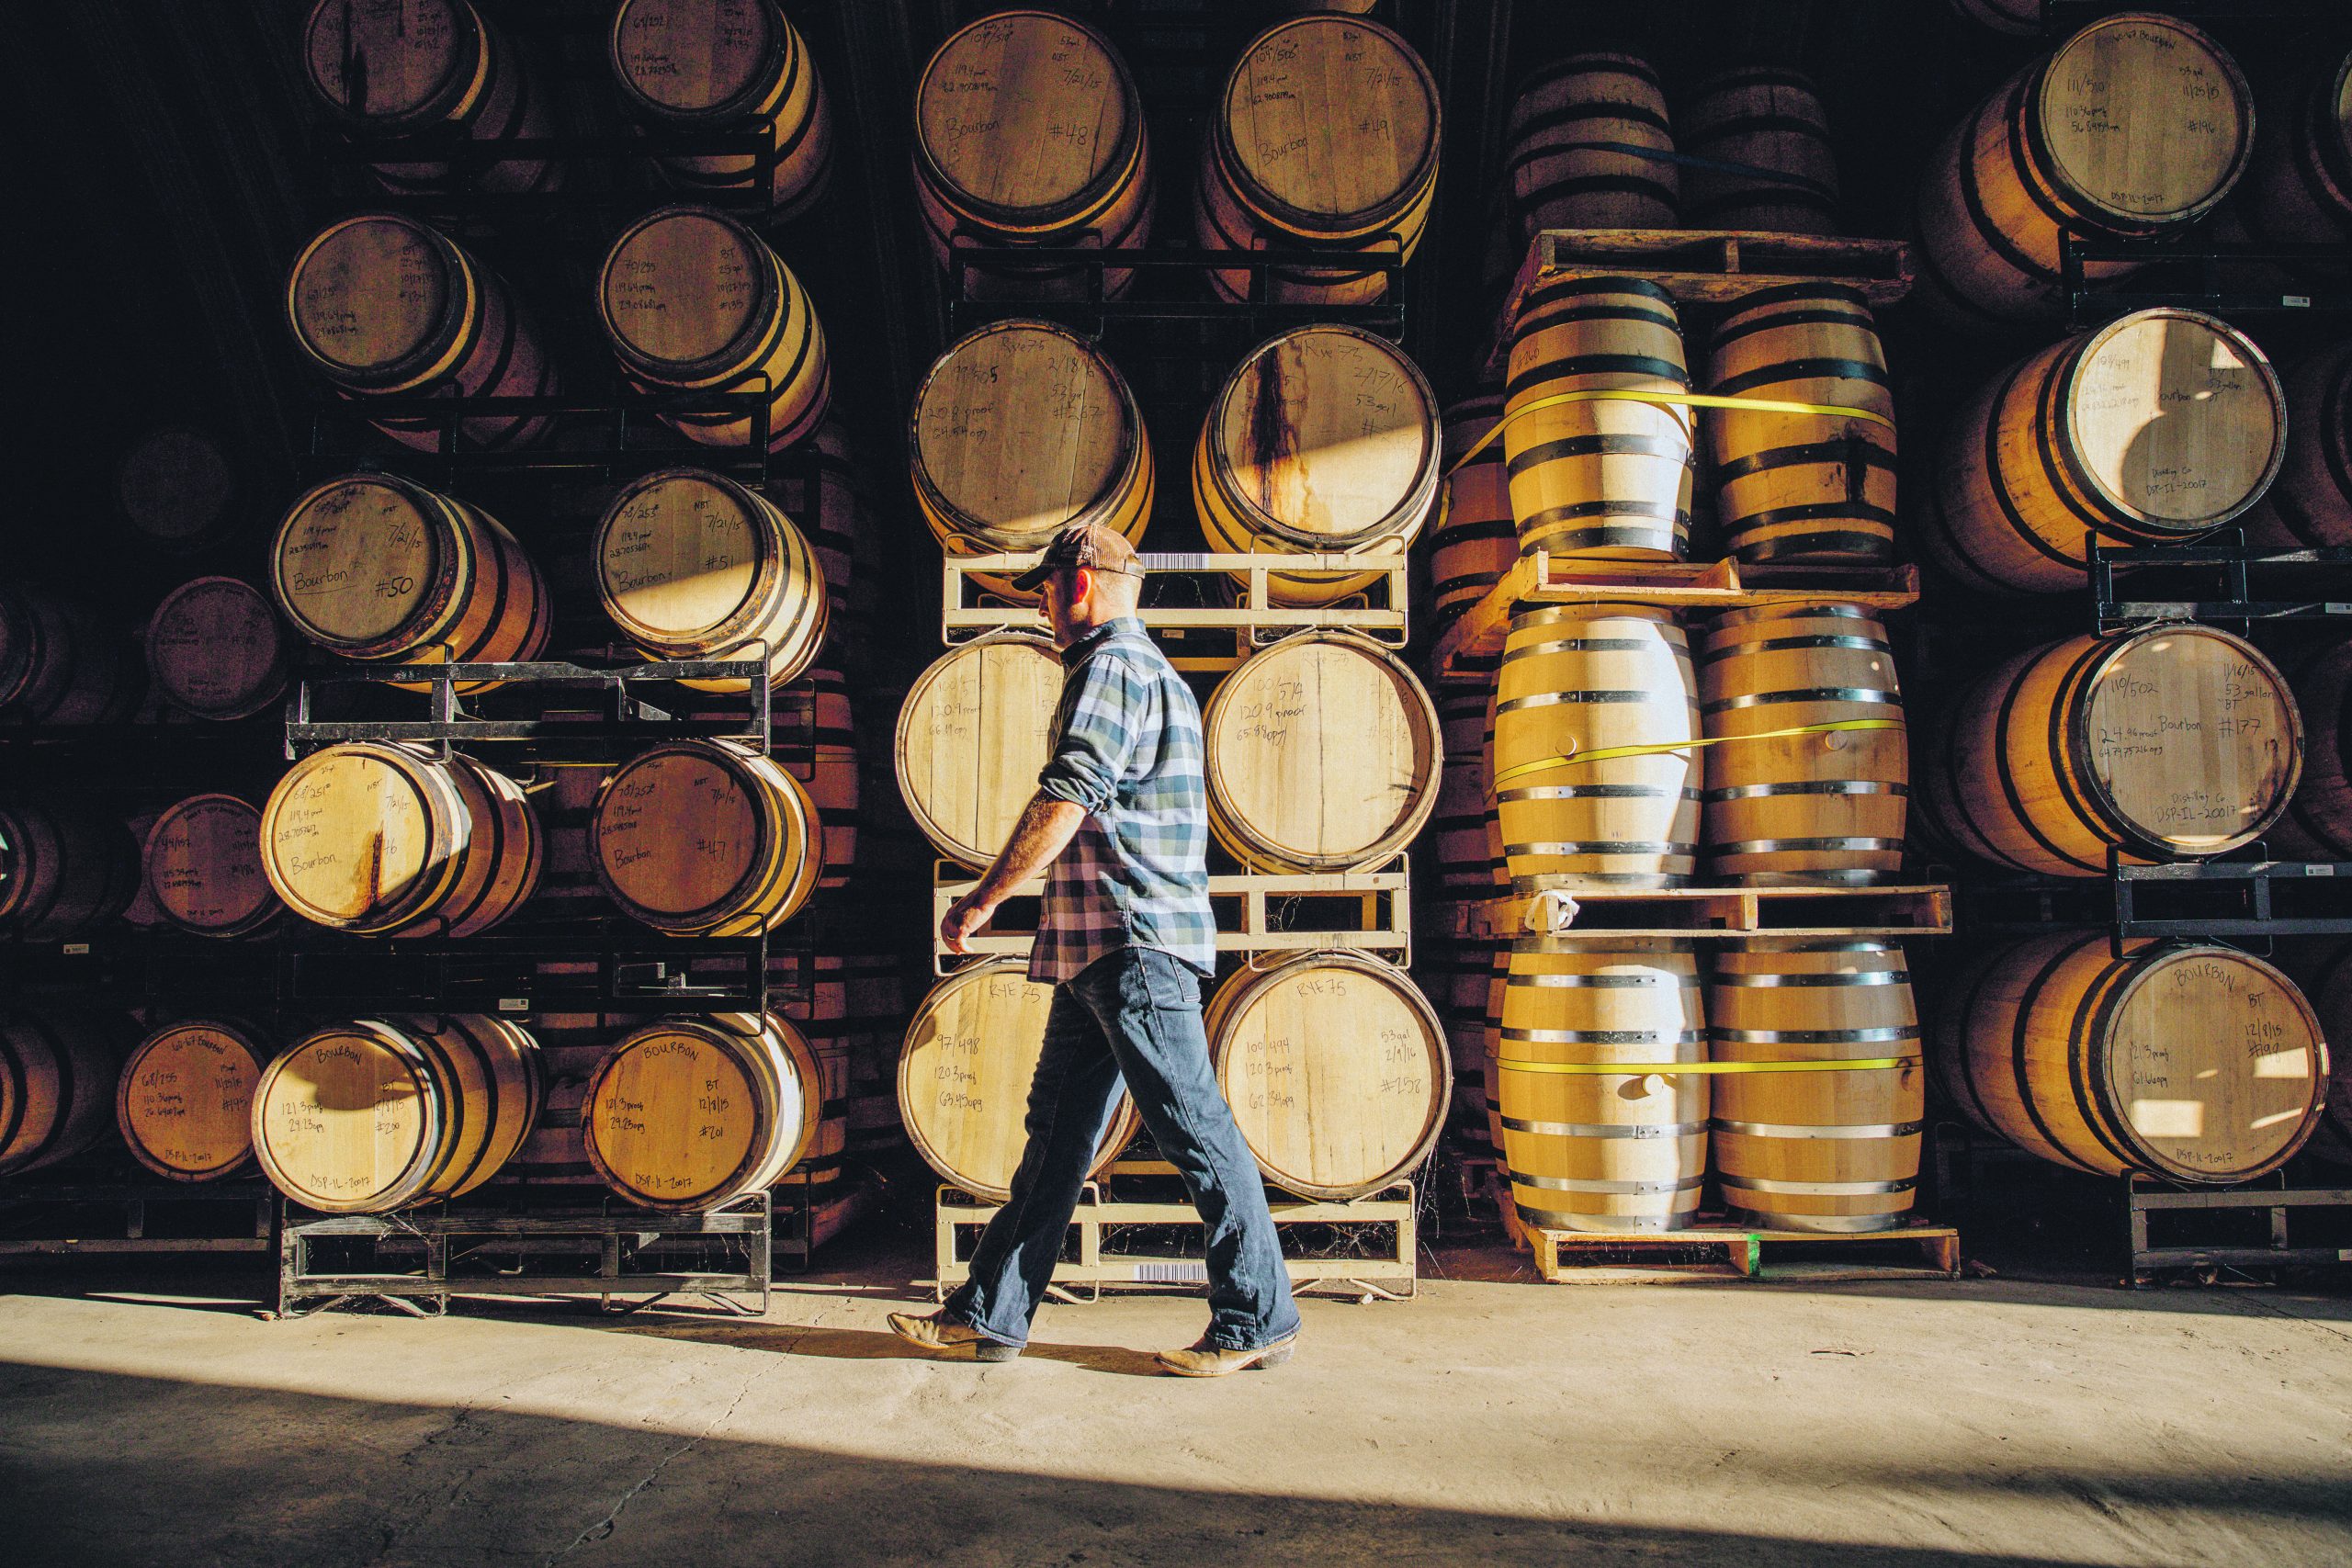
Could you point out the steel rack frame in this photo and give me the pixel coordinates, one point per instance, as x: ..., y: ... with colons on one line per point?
x: 2227, y: 579
x: 2196, y: 900
x: 245, y: 1220
x: 1254, y: 317
x: 2144, y: 1199
x: 2090, y: 304
x: 612, y: 435
x: 447, y: 1236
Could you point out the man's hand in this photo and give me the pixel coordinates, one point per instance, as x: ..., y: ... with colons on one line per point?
x: 964, y: 917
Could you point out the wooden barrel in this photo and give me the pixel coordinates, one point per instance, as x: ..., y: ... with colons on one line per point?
x: 184, y: 1099
x: 177, y: 488
x: 385, y: 307
x: 706, y: 838
x: 370, y: 566
x: 1491, y: 1036
x: 976, y: 730
x: 1600, y: 476
x: 692, y: 302
x: 1595, y: 678
x: 426, y: 76
x: 711, y: 66
x: 57, y: 1082
x: 1474, y: 540
x: 689, y: 1114
x: 1453, y: 975
x: 1603, y: 1129
x: 2332, y: 1000
x: 204, y: 867
x: 971, y: 1050
x: 2200, y: 1064
x: 2172, y: 741
x: 2310, y: 503
x: 2299, y: 190
x: 692, y: 565
x: 1326, y: 138
x: 2159, y: 426
x: 1028, y: 132
x: 215, y: 650
x: 1335, y: 1067
x: 1802, y: 485
x: 1019, y: 431
x: 828, y: 768
x: 1322, y: 755
x: 389, y: 841
x: 63, y: 871
x: 2136, y: 126
x: 378, y: 1114
x: 2021, y: 18
x: 60, y: 663
x: 1760, y: 154
x: 818, y: 488
x: 1824, y: 808
x: 1801, y: 1144
x: 2318, y: 823
x: 1457, y: 835
x: 1325, y: 438
x: 1591, y: 147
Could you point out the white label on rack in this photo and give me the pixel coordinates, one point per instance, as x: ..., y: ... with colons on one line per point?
x: 2296, y: 301
x: 513, y: 1004
x: 76, y: 950
x: 2320, y: 869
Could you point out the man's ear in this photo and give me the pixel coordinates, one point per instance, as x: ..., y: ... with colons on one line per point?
x: 1081, y: 585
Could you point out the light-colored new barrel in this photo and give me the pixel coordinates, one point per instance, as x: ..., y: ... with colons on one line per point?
x: 689, y: 1114
x: 2174, y: 742
x: 722, y: 65
x: 1475, y: 539
x: 57, y: 1081
x: 59, y: 662
x: 184, y: 1099
x: 1335, y: 1067
x: 964, y: 1075
x: 1828, y: 806
x: 706, y: 838
x: 1591, y: 147
x: 1600, y: 475
x: 378, y: 1114
x: 1802, y: 485
x: 1322, y: 754
x: 215, y: 650
x: 1762, y: 155
x: 1824, y: 1135
x: 1021, y: 430
x: 1028, y: 132
x: 976, y: 730
x: 418, y: 76
x: 1325, y: 438
x: 370, y: 566
x: 1594, y: 678
x: 64, y: 870
x: 384, y: 306
x: 1602, y: 1130
x: 177, y: 488
x: 2136, y: 126
x: 691, y: 565
x: 389, y: 840
x: 694, y: 302
x: 1325, y: 138
x: 2310, y: 503
x: 203, y: 867
x: 2200, y: 1064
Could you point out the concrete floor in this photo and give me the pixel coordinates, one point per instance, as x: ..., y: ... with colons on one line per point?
x: 1992, y: 1422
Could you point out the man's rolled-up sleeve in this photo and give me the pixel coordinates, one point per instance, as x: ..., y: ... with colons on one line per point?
x: 1092, y: 751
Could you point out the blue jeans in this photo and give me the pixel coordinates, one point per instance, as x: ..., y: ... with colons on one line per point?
x: 1132, y: 1014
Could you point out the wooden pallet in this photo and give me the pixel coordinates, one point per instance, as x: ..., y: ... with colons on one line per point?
x: 1704, y: 266
x: 1472, y: 643
x: 1392, y: 1275
x: 1596, y: 1258
x: 1253, y: 911
x: 1208, y: 636
x: 1727, y: 913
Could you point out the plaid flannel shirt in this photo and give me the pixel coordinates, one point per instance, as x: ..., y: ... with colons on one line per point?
x: 1126, y: 747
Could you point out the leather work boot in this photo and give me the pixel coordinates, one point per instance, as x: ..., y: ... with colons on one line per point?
x: 943, y: 1335
x: 1203, y: 1360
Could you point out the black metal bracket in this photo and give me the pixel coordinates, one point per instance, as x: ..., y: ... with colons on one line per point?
x: 2189, y: 900
x: 2221, y: 580
x: 605, y: 437
x: 2218, y: 289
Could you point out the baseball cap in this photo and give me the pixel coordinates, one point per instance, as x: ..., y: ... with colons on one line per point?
x: 1082, y: 544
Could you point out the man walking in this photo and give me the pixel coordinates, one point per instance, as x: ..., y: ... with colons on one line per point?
x: 1121, y: 814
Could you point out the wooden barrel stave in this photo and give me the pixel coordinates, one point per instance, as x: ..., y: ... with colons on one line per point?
x: 2310, y: 503
x: 1592, y: 147
x: 2299, y: 189
x: 63, y: 871
x: 57, y: 1081
x: 59, y: 663
x: 1766, y: 118
x: 1335, y: 1066
x: 1475, y: 539
x: 184, y: 1100
x: 722, y: 65
x: 2318, y: 820
x: 1600, y: 1150
x: 1833, y: 1150
x: 974, y: 733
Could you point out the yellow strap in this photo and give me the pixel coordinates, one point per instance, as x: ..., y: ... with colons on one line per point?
x: 1662, y: 747
x: 1678, y: 400
x: 1638, y: 1069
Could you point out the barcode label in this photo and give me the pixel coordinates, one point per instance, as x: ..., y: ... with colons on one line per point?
x: 75, y: 949
x: 1171, y: 1273
x: 513, y: 1004
x: 2321, y: 869
x: 2296, y: 301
